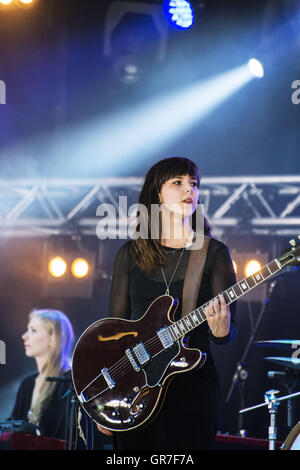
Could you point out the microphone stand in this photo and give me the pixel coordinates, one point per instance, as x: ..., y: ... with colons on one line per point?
x: 272, y: 402
x: 241, y: 374
x: 71, y: 410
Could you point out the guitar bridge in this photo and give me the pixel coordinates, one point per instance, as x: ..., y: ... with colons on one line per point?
x: 109, y: 380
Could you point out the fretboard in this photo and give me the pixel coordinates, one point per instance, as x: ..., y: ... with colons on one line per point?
x: 197, y: 317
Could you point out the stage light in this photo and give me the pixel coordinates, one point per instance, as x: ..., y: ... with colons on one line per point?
x: 256, y: 68
x: 80, y: 268
x: 57, y: 267
x: 135, y: 39
x: 179, y: 13
x: 25, y: 4
x: 248, y: 263
x: 68, y: 274
x: 252, y: 267
x: 18, y: 3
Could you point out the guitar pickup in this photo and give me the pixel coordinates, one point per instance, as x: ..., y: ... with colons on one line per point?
x: 132, y: 360
x: 141, y: 353
x: 165, y: 337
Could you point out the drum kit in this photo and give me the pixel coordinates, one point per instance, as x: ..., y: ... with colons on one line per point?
x: 272, y: 401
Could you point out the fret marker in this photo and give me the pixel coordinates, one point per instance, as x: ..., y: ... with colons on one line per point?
x: 231, y: 293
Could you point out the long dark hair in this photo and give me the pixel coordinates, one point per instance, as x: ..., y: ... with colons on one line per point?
x: 149, y: 251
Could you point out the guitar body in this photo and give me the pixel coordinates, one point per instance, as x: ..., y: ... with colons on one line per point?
x: 121, y: 369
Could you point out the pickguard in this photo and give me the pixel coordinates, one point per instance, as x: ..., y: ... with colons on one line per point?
x: 155, y: 369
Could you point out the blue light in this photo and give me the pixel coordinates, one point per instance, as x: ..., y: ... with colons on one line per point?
x: 256, y: 68
x: 179, y: 13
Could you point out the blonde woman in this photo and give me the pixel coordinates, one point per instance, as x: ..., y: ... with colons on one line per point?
x: 48, y: 340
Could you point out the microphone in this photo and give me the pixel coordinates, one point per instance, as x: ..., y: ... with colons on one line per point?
x: 58, y: 379
x: 272, y: 374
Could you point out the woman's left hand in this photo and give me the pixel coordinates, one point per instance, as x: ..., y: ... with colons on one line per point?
x: 218, y: 317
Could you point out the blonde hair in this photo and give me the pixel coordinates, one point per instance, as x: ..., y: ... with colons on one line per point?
x: 59, y: 326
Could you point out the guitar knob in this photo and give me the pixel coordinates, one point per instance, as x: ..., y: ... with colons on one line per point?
x: 128, y: 399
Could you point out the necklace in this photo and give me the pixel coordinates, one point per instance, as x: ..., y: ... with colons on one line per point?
x: 163, y: 273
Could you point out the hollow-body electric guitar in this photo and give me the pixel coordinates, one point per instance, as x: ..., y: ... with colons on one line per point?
x: 121, y: 368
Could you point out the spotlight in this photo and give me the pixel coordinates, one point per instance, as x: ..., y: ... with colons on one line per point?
x: 57, y: 267
x: 129, y: 68
x: 256, y: 68
x: 5, y: 2
x: 247, y: 263
x: 179, y: 13
x: 135, y: 37
x: 26, y: 3
x: 69, y: 274
x: 80, y: 268
x: 252, y: 267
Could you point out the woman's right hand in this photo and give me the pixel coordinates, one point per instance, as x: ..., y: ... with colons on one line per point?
x: 104, y: 430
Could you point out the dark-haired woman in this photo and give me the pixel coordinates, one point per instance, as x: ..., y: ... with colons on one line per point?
x: 150, y: 266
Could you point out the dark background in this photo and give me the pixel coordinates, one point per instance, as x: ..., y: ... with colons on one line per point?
x: 59, y: 81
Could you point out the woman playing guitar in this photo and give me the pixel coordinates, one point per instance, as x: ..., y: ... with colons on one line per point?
x: 148, y: 267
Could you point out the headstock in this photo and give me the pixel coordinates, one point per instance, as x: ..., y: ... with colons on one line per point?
x: 291, y: 256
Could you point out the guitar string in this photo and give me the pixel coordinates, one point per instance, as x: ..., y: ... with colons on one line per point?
x: 118, y: 368
x: 115, y: 368
x: 122, y: 366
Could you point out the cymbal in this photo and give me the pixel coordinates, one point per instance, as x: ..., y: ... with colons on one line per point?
x: 292, y: 362
x: 279, y: 343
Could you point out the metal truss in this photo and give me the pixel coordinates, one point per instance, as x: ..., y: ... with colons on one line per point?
x: 233, y: 205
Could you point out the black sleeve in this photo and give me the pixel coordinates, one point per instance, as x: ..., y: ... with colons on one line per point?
x: 23, y: 399
x: 222, y: 276
x: 119, y: 300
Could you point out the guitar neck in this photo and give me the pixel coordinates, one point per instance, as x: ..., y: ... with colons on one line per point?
x: 197, y: 317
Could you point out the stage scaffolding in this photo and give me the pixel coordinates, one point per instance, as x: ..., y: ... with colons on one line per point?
x: 257, y: 205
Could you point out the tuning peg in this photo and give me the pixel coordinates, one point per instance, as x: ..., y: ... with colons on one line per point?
x: 292, y: 242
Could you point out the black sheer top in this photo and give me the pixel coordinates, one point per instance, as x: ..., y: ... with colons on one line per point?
x: 132, y: 291
x: 188, y: 416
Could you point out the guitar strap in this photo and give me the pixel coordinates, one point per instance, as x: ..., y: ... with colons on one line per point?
x: 193, y: 277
